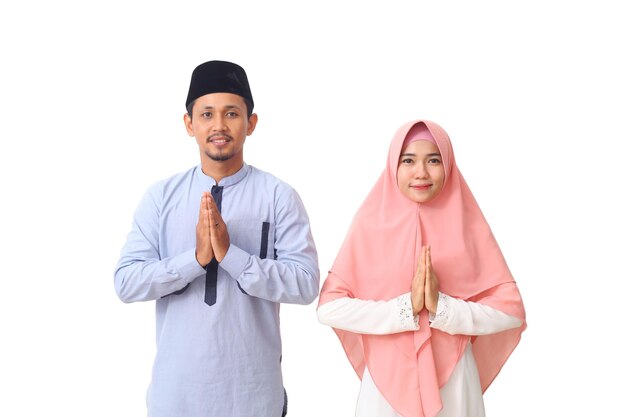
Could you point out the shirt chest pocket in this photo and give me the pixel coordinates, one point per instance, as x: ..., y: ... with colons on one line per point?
x: 255, y: 237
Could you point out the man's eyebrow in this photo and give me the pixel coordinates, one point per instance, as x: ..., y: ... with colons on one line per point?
x: 228, y: 106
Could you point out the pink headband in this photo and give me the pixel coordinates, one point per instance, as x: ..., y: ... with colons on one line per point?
x: 418, y: 132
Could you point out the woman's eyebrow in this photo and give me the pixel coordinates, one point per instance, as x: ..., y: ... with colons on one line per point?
x: 430, y: 154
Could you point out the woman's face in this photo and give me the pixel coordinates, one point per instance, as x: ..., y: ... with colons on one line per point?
x: 420, y: 171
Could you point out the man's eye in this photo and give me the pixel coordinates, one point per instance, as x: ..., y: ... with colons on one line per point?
x: 206, y: 115
x: 232, y: 114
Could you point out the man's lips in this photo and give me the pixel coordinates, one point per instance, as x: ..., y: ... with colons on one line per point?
x: 219, y: 139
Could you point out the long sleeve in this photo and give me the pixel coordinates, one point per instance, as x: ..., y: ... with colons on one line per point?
x: 141, y: 274
x: 456, y: 316
x: 292, y: 276
x: 368, y: 316
x: 204, y: 343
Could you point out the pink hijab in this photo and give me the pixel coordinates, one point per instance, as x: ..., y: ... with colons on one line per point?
x: 377, y: 262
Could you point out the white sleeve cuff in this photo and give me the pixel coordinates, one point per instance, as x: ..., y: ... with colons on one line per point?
x: 404, y: 309
x: 440, y: 318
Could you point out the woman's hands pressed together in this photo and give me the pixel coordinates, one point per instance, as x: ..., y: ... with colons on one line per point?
x: 425, y: 285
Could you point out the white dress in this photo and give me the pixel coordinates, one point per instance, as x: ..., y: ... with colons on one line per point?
x: 461, y: 396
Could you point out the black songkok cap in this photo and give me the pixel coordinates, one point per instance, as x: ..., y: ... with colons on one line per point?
x: 219, y: 77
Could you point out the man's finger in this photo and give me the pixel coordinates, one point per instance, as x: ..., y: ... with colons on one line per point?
x: 212, y: 219
x: 203, y: 205
x: 212, y: 205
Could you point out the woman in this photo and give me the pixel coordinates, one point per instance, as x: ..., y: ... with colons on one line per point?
x: 420, y: 295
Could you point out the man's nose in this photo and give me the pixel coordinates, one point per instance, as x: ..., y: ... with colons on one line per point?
x: 219, y: 124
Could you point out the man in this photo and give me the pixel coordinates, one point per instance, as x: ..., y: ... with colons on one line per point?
x: 219, y: 247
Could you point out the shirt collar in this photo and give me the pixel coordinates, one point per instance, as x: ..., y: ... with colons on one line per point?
x: 226, y: 181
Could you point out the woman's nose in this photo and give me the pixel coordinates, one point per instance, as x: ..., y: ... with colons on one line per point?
x: 420, y: 171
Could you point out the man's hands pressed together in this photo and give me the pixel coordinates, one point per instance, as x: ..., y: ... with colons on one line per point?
x: 220, y: 241
x: 212, y: 239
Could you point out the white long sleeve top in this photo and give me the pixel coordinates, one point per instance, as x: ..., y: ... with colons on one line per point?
x: 461, y: 395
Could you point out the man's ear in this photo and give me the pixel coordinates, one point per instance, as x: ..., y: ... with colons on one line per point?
x: 188, y: 124
x: 252, y: 121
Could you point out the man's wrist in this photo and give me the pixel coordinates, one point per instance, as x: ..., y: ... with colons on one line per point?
x: 202, y: 262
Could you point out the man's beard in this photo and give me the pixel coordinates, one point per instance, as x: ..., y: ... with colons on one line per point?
x: 219, y: 156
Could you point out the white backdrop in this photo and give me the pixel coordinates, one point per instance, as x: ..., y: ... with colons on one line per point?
x: 92, y: 97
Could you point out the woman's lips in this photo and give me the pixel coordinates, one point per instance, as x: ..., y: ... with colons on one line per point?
x: 421, y: 187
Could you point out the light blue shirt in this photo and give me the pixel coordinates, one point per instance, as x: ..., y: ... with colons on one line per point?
x: 221, y: 360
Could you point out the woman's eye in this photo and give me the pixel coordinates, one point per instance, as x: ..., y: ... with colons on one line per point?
x: 407, y: 161
x: 434, y: 161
